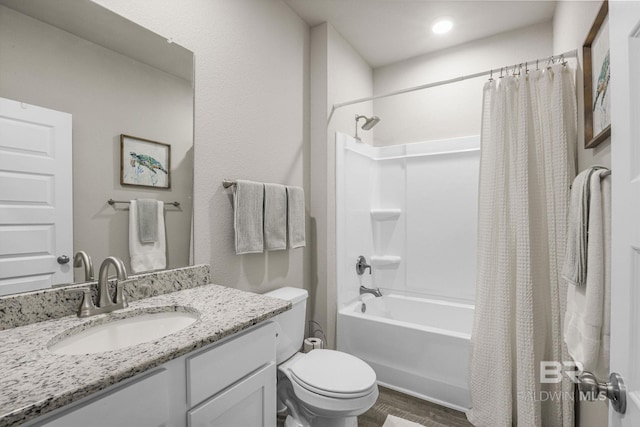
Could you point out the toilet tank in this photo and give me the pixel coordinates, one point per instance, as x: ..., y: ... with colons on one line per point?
x: 290, y: 324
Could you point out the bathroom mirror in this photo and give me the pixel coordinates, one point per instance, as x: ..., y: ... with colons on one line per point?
x: 114, y: 77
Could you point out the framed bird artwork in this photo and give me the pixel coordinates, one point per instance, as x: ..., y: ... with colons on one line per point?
x: 596, y: 72
x: 144, y: 163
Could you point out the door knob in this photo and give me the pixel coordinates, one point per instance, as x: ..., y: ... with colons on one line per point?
x: 615, y: 389
x: 63, y: 259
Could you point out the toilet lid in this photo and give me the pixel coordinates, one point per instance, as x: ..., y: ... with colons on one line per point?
x: 333, y: 372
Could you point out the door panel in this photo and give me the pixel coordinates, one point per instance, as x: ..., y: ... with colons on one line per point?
x: 36, y: 205
x: 624, y: 18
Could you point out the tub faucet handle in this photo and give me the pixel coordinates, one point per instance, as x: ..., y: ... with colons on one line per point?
x: 361, y: 265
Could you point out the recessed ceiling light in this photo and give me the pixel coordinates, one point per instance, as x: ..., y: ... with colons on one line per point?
x: 442, y: 25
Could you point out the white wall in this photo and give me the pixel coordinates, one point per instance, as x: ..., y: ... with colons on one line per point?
x: 451, y: 110
x: 338, y: 73
x: 251, y: 119
x: 108, y: 94
x: 571, y: 24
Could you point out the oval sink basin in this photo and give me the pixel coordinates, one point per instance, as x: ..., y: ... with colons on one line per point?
x: 118, y: 334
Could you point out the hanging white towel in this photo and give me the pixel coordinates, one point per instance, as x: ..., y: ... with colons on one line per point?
x: 248, y: 205
x: 295, y: 217
x: 587, y: 328
x: 146, y: 256
x: 275, y: 217
x: 574, y: 270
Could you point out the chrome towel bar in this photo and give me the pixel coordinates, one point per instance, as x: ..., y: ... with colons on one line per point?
x: 113, y: 202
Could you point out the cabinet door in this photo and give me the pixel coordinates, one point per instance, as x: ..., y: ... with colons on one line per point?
x: 142, y: 402
x: 250, y: 402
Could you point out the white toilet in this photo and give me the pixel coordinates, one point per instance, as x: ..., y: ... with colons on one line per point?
x: 323, y: 387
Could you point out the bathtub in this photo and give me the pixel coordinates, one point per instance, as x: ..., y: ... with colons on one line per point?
x: 417, y: 346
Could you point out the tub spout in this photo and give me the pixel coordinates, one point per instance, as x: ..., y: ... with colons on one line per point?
x: 375, y: 292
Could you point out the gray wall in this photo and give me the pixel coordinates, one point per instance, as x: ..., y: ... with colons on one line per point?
x: 571, y: 24
x: 251, y: 119
x: 107, y: 94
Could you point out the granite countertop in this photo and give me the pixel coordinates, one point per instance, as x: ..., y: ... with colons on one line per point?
x: 34, y: 381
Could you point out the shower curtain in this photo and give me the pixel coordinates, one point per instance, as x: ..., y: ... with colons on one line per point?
x: 526, y: 168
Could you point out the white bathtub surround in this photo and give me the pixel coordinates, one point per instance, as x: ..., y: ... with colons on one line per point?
x: 527, y: 165
x: 587, y: 324
x: 411, y: 211
x: 420, y: 346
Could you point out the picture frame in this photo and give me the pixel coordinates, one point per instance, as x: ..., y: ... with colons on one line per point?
x: 596, y: 72
x: 144, y: 163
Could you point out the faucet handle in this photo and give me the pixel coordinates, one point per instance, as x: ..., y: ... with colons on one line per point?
x: 121, y: 298
x: 86, y: 305
x: 361, y: 265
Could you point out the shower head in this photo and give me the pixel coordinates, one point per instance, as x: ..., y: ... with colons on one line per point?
x: 369, y: 123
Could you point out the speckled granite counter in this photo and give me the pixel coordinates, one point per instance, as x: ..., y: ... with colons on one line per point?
x: 34, y: 381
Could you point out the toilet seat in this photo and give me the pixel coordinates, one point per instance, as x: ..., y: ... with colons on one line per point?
x: 333, y: 374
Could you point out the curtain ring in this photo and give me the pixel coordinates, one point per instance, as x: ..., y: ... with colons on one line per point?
x: 537, y: 68
x: 501, y: 70
x: 491, y: 76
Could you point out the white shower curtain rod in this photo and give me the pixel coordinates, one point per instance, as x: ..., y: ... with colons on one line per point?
x: 569, y: 54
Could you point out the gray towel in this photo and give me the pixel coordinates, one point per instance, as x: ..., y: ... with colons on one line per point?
x: 574, y: 270
x: 147, y: 220
x: 248, y: 204
x: 295, y: 217
x: 275, y: 217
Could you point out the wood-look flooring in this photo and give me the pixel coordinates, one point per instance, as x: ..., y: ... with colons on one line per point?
x: 391, y: 402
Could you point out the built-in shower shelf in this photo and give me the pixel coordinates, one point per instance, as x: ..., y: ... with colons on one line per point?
x: 385, y: 214
x: 385, y: 261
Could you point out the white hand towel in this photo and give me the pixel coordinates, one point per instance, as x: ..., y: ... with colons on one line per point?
x: 147, y: 256
x: 248, y: 205
x: 295, y: 217
x: 587, y: 327
x: 275, y: 217
x: 147, y: 220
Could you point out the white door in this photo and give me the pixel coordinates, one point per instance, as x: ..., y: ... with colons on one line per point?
x: 624, y: 24
x: 36, y: 206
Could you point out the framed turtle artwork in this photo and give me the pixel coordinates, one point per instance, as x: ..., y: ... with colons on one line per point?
x: 144, y: 163
x: 596, y: 72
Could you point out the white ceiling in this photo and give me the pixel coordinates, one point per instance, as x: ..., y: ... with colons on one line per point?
x: 387, y: 31
x: 92, y: 22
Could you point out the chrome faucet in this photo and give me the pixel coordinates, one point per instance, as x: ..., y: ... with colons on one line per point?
x: 83, y: 259
x: 104, y: 300
x: 375, y: 292
x: 361, y: 265
x: 105, y: 304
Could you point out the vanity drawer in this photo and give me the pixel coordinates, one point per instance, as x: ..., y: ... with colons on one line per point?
x: 214, y: 369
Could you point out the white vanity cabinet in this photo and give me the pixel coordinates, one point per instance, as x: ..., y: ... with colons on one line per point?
x: 228, y: 383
